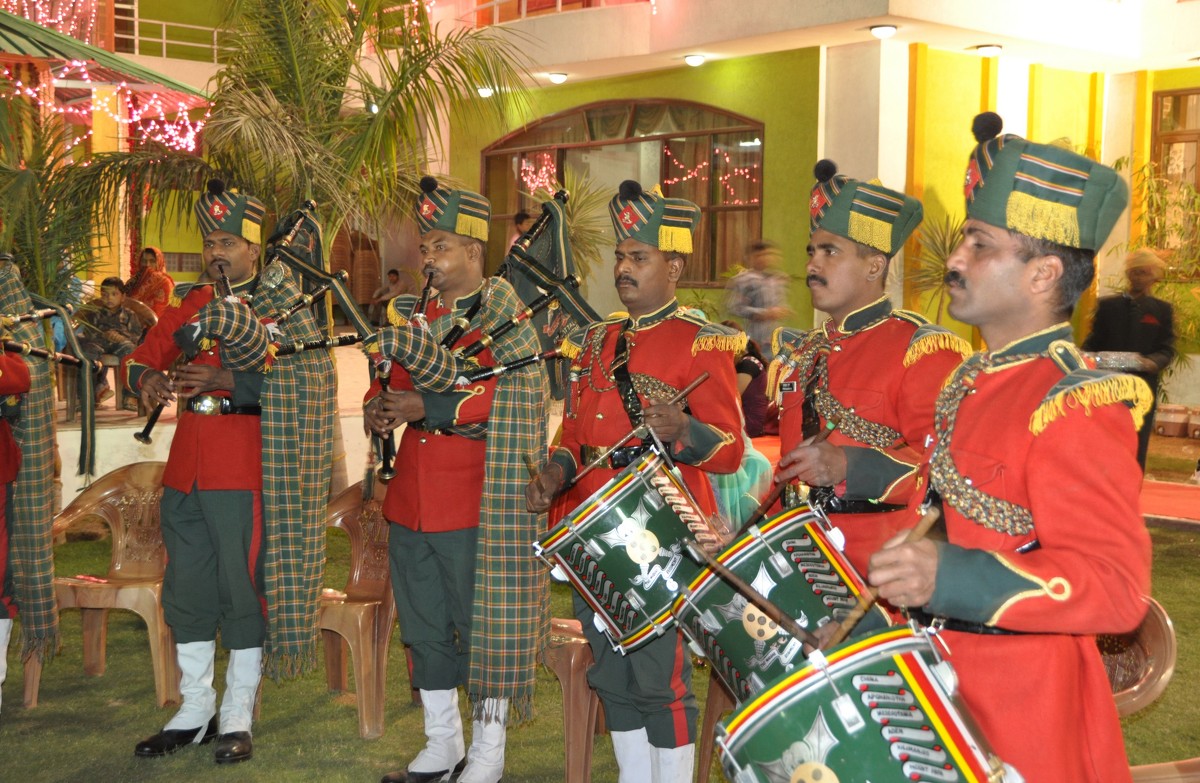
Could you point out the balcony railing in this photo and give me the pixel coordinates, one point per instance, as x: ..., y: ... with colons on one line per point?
x: 134, y: 34
x: 489, y: 12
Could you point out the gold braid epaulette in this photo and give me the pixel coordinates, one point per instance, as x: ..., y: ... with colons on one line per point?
x: 933, y: 342
x: 730, y: 343
x: 955, y: 489
x: 1092, y: 392
x: 569, y: 350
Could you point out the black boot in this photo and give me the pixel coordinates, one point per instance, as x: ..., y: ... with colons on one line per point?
x: 171, y: 740
x: 234, y: 747
x: 404, y: 776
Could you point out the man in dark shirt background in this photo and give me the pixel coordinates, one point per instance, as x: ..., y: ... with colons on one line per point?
x: 1136, y: 322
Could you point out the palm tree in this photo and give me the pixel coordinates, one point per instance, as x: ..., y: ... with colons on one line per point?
x: 323, y: 100
x: 38, y: 225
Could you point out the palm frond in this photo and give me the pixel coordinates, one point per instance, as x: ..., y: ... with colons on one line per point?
x: 938, y: 240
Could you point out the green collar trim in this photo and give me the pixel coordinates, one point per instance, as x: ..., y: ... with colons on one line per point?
x: 1038, y: 342
x: 464, y: 301
x: 656, y: 317
x: 866, y: 316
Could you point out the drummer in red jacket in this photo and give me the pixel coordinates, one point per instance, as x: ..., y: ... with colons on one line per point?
x: 654, y: 350
x: 871, y: 370
x: 1045, y: 550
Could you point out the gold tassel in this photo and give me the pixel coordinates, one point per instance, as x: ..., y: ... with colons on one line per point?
x: 569, y: 350
x: 1034, y: 217
x: 932, y: 343
x: 471, y: 226
x: 733, y: 343
x: 775, y: 374
x: 394, y: 316
x: 1124, y: 389
x: 872, y: 232
x: 251, y: 231
x: 677, y: 240
x: 174, y: 300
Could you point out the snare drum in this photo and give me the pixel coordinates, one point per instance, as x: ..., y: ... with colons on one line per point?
x: 790, y: 560
x: 882, y: 708
x: 623, y: 549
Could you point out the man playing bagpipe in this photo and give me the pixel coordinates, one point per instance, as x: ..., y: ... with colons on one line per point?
x: 14, y: 382
x: 246, y: 482
x: 623, y: 368
x: 469, y: 594
x: 27, y: 469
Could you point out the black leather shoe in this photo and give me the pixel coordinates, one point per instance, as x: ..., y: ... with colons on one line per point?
x: 171, y: 740
x: 404, y: 776
x: 234, y: 747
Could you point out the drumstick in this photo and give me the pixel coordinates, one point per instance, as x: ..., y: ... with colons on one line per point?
x: 758, y: 599
x: 530, y: 466
x: 779, y: 488
x: 867, y: 599
x: 636, y: 432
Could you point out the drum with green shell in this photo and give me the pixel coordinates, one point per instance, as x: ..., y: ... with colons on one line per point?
x: 792, y: 561
x: 624, y: 549
x: 879, y: 708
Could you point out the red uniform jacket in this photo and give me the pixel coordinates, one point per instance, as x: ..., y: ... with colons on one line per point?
x: 673, y: 347
x: 1038, y: 430
x: 14, y: 380
x: 439, y: 467
x: 888, y: 366
x: 208, y: 452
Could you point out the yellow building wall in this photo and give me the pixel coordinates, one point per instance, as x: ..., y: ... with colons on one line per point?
x: 946, y: 91
x: 1059, y: 107
x: 178, y: 233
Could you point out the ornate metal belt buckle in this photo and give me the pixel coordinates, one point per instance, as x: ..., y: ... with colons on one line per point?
x: 206, y: 405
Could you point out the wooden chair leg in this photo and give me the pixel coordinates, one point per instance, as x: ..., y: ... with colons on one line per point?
x: 95, y: 638
x: 718, y: 703
x: 33, y: 680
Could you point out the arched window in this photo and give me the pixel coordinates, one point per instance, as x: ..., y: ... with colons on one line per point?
x: 696, y: 152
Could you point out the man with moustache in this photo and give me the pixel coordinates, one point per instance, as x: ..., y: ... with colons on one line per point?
x: 469, y: 594
x: 1043, y: 551
x: 246, y: 482
x: 870, y: 372
x: 622, y: 369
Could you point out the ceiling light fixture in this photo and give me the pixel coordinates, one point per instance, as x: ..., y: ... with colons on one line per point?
x: 882, y: 31
x: 556, y: 78
x: 695, y: 60
x: 989, y: 50
x: 485, y: 92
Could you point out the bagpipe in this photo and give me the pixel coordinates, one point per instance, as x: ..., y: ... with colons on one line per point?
x: 7, y: 322
x: 541, y: 268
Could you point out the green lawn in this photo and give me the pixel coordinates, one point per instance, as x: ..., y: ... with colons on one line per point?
x: 84, y: 728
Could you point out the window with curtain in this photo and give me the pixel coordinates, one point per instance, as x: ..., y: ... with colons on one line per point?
x: 1176, y: 136
x: 700, y: 153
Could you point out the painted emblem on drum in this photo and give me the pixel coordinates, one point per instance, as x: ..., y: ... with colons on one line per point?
x: 804, y: 761
x: 760, y: 628
x: 642, y: 547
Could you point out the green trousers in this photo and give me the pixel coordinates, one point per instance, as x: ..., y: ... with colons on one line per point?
x: 649, y: 688
x: 214, y: 575
x: 433, y: 580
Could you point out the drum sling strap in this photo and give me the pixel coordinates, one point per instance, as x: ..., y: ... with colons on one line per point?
x: 620, y: 374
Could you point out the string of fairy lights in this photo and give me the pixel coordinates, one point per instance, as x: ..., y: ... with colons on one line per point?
x: 76, y: 18
x: 145, y: 116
